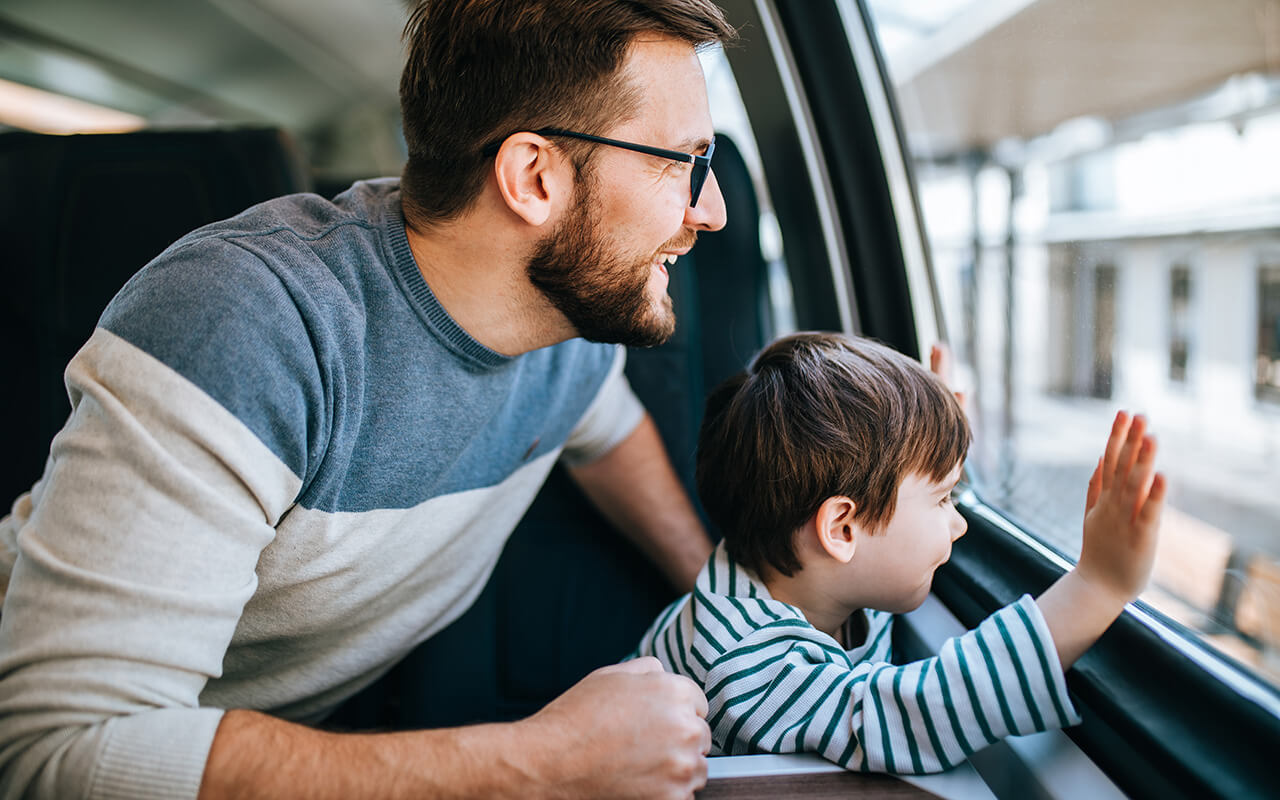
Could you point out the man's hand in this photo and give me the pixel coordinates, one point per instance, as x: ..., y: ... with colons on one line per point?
x: 628, y: 730
x: 1122, y: 512
x: 1122, y: 516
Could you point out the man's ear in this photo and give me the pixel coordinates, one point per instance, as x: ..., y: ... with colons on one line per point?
x: 836, y: 531
x: 532, y: 176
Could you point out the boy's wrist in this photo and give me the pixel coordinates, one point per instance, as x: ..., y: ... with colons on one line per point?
x: 1098, y: 591
x: 1078, y: 611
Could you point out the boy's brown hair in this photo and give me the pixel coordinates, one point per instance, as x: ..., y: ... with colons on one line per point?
x: 817, y: 415
x: 478, y: 70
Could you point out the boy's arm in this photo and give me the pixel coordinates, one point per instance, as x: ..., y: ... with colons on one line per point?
x: 788, y: 689
x: 1122, y: 515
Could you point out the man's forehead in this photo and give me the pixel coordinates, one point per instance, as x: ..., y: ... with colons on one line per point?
x: 672, y: 108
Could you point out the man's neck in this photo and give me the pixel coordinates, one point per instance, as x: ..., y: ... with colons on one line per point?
x: 477, y: 274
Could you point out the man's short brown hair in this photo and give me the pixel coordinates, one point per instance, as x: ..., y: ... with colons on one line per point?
x: 817, y: 415
x: 479, y: 70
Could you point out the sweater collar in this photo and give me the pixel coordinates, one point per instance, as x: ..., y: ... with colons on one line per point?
x: 424, y: 301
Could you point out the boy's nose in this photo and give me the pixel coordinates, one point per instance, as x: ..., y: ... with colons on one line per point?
x: 958, y: 526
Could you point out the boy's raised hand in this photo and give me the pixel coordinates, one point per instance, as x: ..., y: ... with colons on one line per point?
x: 941, y: 363
x: 1122, y: 515
x: 1122, y: 512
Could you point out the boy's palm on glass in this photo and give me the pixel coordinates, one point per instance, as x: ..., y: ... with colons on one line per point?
x: 1122, y: 511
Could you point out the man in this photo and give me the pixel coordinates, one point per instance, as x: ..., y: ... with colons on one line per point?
x: 301, y: 436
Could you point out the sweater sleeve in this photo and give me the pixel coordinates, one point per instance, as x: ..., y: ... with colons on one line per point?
x: 135, y: 556
x: 782, y: 690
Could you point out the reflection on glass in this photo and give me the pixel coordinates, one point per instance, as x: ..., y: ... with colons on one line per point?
x: 1102, y: 215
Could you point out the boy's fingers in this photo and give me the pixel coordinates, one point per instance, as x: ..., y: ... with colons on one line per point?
x: 1138, y: 483
x: 940, y: 364
x: 940, y: 361
x: 1119, y: 429
x: 1149, y: 513
x: 1128, y: 455
x: 1095, y: 487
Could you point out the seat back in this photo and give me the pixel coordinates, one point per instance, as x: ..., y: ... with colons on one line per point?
x: 79, y: 215
x: 721, y: 303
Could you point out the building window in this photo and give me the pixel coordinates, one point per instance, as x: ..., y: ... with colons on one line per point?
x: 1179, y: 322
x: 1104, y: 329
x: 1268, y: 371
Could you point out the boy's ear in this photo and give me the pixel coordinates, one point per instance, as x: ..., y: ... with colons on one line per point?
x: 531, y: 176
x: 835, y: 525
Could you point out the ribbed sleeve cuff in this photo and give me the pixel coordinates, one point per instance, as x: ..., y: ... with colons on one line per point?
x: 157, y: 754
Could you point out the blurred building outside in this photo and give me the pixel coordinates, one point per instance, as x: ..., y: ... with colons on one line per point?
x: 1104, y: 220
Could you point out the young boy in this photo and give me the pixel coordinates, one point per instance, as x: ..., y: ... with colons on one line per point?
x: 828, y: 466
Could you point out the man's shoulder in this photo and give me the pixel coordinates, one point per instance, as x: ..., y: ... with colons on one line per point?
x: 266, y: 312
x: 299, y: 253
x: 305, y: 215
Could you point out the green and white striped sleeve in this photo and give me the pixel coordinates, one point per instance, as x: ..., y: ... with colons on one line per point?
x: 787, y: 688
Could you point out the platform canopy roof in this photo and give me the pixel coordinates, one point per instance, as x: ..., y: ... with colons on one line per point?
x: 973, y: 73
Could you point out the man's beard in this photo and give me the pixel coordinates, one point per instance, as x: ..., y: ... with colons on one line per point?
x: 603, y: 294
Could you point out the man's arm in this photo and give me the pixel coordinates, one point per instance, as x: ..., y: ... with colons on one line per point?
x: 628, y: 730
x: 636, y: 488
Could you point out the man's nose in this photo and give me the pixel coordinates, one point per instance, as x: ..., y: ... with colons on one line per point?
x: 709, y: 214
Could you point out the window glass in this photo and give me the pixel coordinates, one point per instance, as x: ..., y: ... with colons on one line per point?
x: 1100, y: 188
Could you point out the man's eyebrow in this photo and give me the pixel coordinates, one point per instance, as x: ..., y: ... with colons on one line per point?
x: 692, y: 145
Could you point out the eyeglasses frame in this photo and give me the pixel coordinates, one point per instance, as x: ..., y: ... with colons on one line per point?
x: 697, y: 176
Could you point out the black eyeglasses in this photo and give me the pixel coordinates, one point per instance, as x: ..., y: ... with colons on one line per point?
x: 697, y: 175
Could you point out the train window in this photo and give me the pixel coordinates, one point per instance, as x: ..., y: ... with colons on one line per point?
x: 1100, y: 211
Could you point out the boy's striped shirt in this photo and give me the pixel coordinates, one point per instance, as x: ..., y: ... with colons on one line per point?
x: 776, y: 684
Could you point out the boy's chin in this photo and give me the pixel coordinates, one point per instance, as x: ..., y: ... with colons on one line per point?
x: 903, y: 603
x: 909, y: 604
